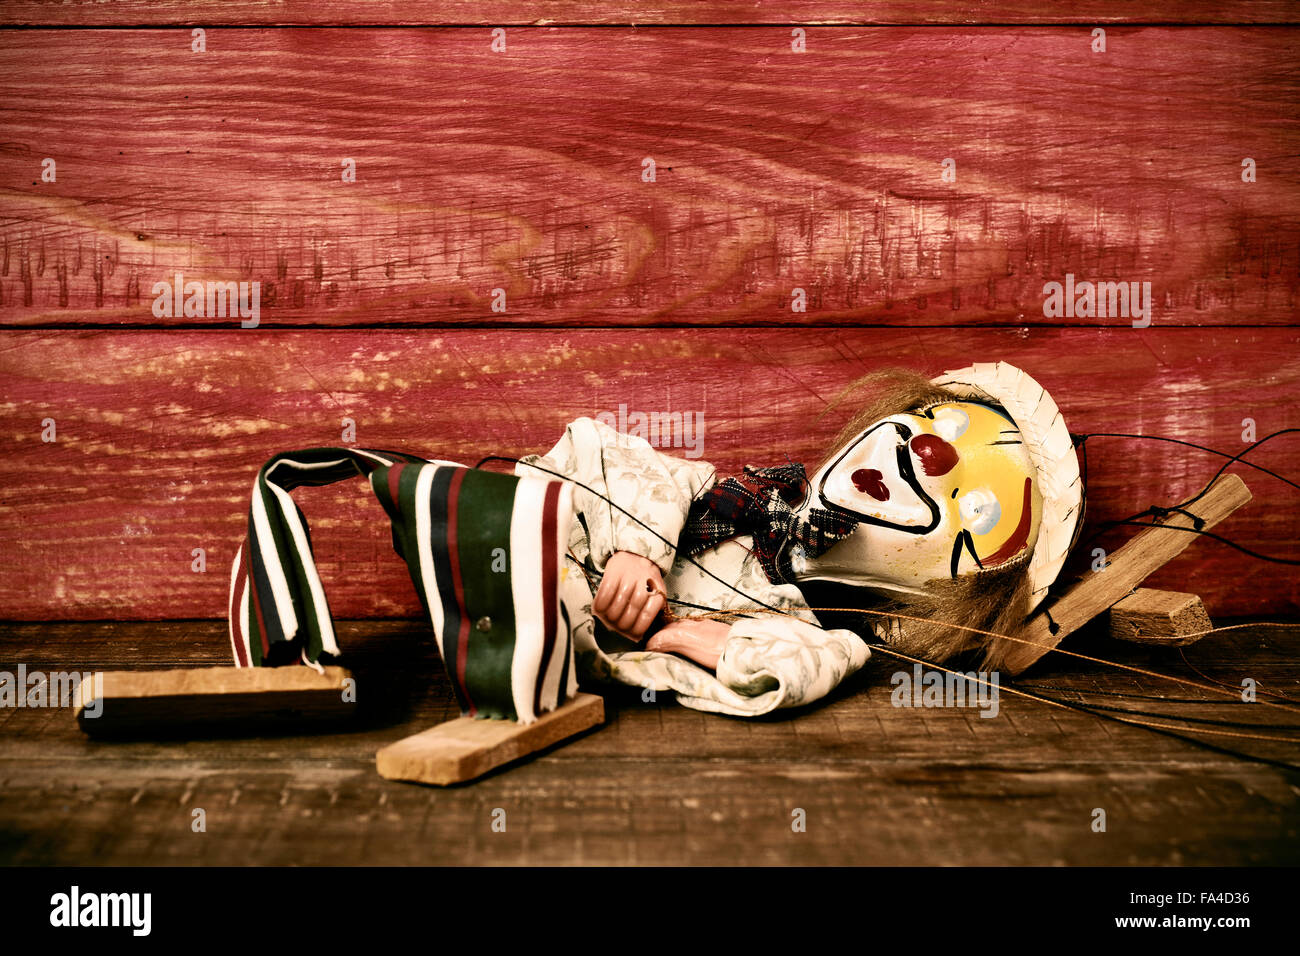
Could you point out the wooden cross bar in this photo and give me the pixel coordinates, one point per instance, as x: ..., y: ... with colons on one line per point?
x: 1128, y: 566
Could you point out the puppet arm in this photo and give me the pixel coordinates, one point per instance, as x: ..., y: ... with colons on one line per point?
x: 701, y: 640
x: 766, y: 663
x: 656, y: 488
x: 805, y: 661
x: 792, y: 660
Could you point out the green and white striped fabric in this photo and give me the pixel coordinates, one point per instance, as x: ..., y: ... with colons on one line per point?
x: 484, y: 551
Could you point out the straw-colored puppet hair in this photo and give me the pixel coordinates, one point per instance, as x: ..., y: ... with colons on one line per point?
x: 995, y: 599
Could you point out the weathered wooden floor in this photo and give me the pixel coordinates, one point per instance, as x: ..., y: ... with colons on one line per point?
x: 661, y: 784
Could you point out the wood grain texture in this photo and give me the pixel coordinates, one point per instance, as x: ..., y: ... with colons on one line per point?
x: 1166, y: 618
x: 521, y: 171
x: 660, y: 784
x: 504, y: 12
x: 465, y: 748
x: 159, y: 436
x: 174, y: 702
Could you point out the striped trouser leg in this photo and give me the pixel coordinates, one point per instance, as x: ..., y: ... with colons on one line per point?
x: 484, y: 551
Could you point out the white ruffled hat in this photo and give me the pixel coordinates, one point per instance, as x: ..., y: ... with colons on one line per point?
x: 1050, y: 447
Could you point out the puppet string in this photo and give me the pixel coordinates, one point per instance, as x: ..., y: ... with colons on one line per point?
x: 615, y: 504
x: 963, y: 627
x: 1193, y: 667
x: 593, y: 581
x: 1103, y: 712
x: 1094, y: 709
x: 1001, y: 687
x: 1094, y: 692
x: 1169, y: 730
x: 764, y: 605
x: 1157, y: 511
x: 1201, y: 531
x: 1096, y: 660
x: 1181, y: 717
x: 1240, y: 456
x: 709, y: 613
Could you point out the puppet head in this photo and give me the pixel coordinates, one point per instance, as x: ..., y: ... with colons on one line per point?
x: 967, y: 495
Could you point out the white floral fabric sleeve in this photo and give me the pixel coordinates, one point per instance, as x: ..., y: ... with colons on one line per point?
x: 766, y: 664
x: 657, y: 488
x: 778, y: 662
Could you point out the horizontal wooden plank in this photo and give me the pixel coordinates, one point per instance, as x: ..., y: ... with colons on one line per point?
x: 503, y: 12
x: 1162, y: 618
x: 775, y: 171
x: 170, y: 703
x: 159, y: 435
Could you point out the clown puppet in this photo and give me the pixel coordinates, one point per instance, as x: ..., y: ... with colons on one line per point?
x: 945, y: 501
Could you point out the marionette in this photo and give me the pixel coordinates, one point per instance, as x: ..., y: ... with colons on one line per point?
x: 941, y: 502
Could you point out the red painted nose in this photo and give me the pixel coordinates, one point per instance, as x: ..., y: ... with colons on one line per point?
x: 936, y: 455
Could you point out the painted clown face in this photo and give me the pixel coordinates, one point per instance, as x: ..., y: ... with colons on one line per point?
x: 939, y: 492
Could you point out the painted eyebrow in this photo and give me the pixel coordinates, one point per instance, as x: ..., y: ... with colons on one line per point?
x: 1007, y: 441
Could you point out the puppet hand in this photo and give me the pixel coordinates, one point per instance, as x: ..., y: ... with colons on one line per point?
x: 700, y: 639
x: 631, y: 594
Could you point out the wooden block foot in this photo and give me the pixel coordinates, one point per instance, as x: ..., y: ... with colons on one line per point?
x: 1148, y: 616
x: 165, y: 702
x: 466, y: 748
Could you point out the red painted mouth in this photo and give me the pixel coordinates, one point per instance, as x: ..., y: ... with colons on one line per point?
x: 869, y: 482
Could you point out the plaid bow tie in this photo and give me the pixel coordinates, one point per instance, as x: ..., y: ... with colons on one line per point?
x: 759, y: 503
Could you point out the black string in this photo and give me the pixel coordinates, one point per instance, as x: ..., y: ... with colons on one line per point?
x: 1217, y: 537
x: 611, y: 501
x: 1227, y: 751
x: 1099, y: 714
x: 1157, y: 512
x: 1081, y: 441
x: 1082, y: 437
x: 1220, y: 722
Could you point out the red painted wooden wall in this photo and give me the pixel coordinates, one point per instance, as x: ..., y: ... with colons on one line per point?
x: 522, y: 170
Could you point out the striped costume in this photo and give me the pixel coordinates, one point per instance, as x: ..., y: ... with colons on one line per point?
x: 484, y: 551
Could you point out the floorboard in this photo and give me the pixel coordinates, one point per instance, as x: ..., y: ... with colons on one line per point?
x: 659, y: 783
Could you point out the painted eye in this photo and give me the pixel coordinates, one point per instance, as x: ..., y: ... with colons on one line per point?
x: 980, y: 510
x: 950, y: 423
